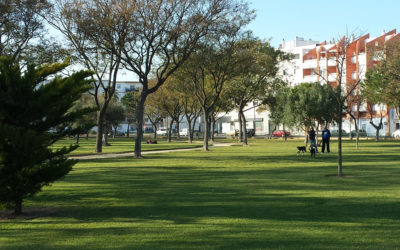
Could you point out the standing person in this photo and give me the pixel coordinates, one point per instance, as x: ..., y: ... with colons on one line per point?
x: 326, y: 136
x: 311, y: 136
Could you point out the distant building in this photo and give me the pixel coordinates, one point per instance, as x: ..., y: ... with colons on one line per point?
x: 316, y: 62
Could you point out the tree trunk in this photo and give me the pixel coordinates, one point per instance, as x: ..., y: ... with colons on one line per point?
x: 177, y: 129
x: 206, y: 130
x: 340, y: 108
x: 284, y: 133
x: 212, y: 125
x: 189, y: 128
x: 105, y: 139
x: 155, y: 132
x: 77, y: 139
x: 356, y: 124
x: 193, y: 126
x: 100, y: 129
x: 139, y: 125
x: 377, y: 128
x: 240, y: 127
x: 270, y: 132
x: 87, y: 136
x: 244, y: 128
x: 18, y: 206
x: 377, y: 135
x: 170, y: 130
x: 127, y: 132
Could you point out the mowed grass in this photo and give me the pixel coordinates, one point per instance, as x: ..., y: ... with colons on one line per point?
x: 259, y: 197
x: 122, y: 145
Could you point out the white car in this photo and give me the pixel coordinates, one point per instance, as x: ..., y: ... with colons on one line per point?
x: 161, y: 131
x: 396, y: 134
x: 184, y: 132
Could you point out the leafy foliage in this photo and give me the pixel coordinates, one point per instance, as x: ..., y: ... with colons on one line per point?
x: 35, y: 111
x: 309, y: 102
x: 20, y: 23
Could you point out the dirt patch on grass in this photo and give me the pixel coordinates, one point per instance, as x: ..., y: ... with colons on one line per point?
x: 343, y: 176
x: 28, y: 213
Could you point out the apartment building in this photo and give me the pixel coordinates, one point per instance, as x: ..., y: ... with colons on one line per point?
x: 348, y: 58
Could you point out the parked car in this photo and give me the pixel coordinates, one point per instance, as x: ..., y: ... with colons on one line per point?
x: 232, y: 133
x: 396, y: 134
x: 161, y: 131
x: 184, y: 132
x: 361, y: 132
x: 251, y: 132
x: 148, y: 130
x: 336, y: 133
x: 280, y: 133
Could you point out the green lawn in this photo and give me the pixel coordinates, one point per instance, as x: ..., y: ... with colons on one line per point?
x: 259, y: 197
x: 122, y: 145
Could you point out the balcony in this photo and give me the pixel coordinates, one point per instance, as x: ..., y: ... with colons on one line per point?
x: 308, y: 64
x: 311, y: 78
x: 332, y: 77
x: 332, y: 61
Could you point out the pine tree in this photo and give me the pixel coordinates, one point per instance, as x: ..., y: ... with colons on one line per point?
x: 35, y: 112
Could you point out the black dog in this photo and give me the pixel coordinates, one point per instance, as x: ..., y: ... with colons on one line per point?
x: 301, y: 150
x: 312, y: 151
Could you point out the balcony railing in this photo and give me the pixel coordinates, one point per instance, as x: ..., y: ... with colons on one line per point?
x: 312, y: 63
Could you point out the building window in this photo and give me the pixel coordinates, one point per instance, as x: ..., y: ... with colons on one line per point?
x: 354, y: 108
x: 378, y: 107
x: 354, y: 75
x: 376, y: 43
x: 354, y: 59
x: 363, y: 107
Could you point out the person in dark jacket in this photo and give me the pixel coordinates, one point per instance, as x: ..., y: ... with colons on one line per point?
x: 326, y: 136
x: 311, y: 136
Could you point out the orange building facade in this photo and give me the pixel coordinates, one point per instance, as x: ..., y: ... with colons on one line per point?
x: 343, y: 62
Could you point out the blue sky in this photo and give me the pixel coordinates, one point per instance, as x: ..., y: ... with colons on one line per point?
x: 322, y: 20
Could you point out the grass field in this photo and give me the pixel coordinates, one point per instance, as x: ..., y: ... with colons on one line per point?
x: 259, y: 197
x: 122, y: 145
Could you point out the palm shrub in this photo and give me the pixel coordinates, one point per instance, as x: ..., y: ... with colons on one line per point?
x: 36, y: 111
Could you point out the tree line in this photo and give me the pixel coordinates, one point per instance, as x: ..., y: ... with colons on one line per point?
x: 191, y: 57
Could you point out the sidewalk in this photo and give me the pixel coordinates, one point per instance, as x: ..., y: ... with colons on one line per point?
x: 105, y: 156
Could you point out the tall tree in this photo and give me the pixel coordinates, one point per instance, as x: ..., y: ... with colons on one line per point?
x: 308, y: 103
x: 130, y: 100
x: 190, y: 104
x: 114, y: 116
x: 153, y: 112
x: 154, y: 38
x: 35, y: 112
x: 337, y: 55
x: 167, y: 100
x: 71, y: 18
x: 208, y: 70
x: 89, y: 119
x: 382, y: 84
x: 256, y: 65
x: 374, y: 89
x: 274, y: 101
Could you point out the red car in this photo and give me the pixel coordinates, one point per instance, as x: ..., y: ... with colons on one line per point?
x: 280, y: 133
